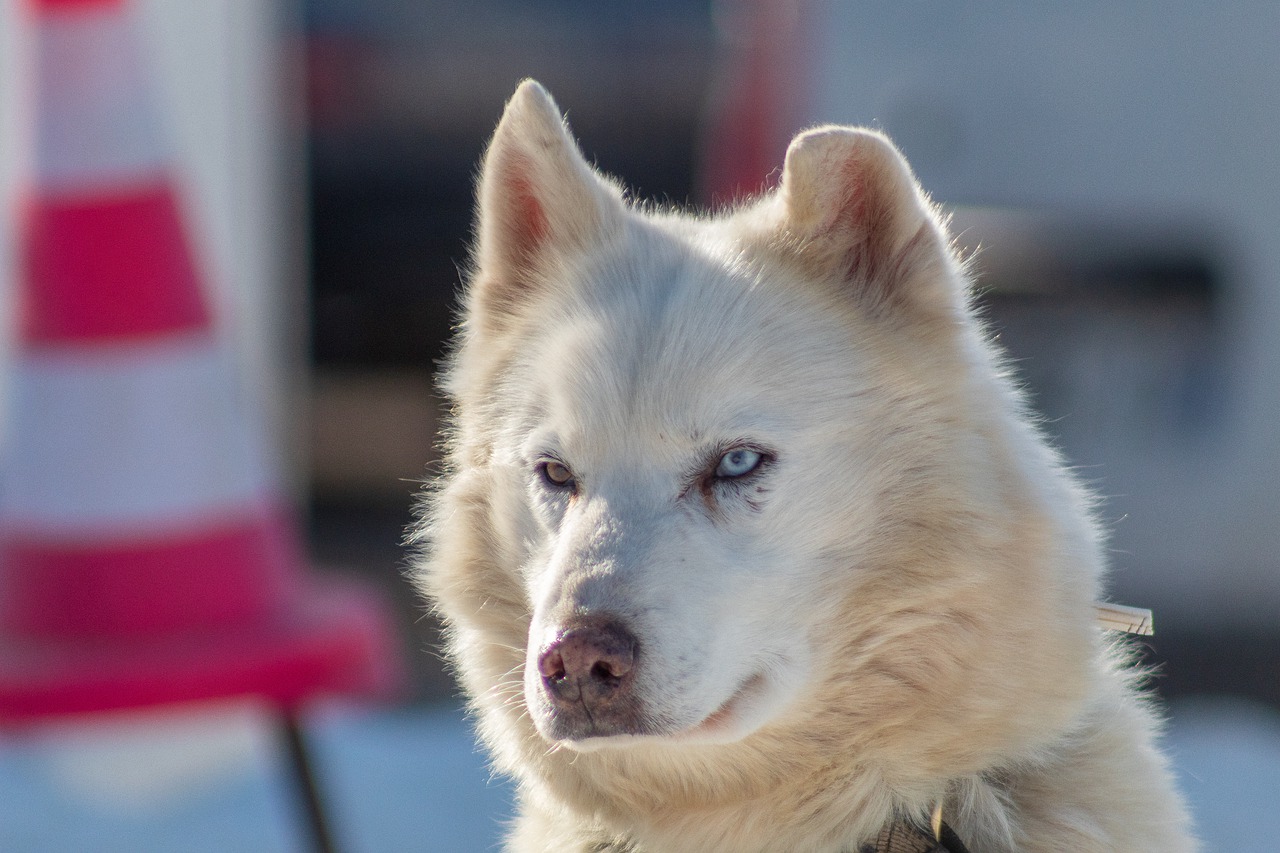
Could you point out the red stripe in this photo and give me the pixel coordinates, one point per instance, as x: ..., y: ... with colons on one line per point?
x: 330, y: 638
x: 109, y: 268
x: 193, y: 582
x: 58, y: 5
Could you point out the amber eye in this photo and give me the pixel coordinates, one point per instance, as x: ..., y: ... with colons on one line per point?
x: 556, y: 474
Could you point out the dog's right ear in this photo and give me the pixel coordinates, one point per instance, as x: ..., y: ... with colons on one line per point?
x: 538, y: 200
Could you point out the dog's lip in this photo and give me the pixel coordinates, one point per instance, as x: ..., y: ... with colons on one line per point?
x: 723, y: 717
x: 712, y: 728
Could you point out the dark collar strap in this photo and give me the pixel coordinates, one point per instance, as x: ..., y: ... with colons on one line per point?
x: 905, y: 837
x: 899, y: 837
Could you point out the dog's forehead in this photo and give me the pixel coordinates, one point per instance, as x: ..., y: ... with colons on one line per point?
x: 669, y: 340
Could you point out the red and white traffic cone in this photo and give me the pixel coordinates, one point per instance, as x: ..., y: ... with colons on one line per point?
x: 148, y: 555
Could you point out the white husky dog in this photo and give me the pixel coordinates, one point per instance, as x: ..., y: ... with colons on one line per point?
x: 745, y: 541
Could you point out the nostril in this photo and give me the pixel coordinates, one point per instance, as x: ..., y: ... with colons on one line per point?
x: 609, y: 670
x: 551, y: 664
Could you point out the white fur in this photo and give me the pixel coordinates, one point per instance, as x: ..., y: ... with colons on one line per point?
x: 895, y: 611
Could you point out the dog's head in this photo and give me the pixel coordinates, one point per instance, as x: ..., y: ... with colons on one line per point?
x: 717, y: 479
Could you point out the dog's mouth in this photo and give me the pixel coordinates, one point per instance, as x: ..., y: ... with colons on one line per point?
x: 590, y: 685
x: 733, y: 719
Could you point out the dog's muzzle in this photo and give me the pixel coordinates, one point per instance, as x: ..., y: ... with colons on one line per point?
x: 588, y: 674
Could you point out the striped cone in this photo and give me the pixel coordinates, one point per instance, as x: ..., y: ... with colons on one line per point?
x: 148, y: 555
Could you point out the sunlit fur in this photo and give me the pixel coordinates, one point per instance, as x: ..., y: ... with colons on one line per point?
x: 906, y: 586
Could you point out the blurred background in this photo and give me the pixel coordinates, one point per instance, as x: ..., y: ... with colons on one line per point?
x: 1115, y: 167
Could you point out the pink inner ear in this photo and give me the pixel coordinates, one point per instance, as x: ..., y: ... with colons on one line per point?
x: 526, y: 220
x: 859, y: 222
x: 851, y: 223
x: 853, y: 191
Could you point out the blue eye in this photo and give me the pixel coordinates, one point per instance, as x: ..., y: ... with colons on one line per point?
x: 738, y: 463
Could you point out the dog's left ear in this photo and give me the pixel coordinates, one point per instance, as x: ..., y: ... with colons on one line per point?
x: 850, y: 207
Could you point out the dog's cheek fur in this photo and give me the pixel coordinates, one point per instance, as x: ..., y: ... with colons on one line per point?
x: 976, y: 614
x: 974, y: 624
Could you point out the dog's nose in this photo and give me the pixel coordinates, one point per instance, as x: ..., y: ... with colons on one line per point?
x: 590, y: 664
